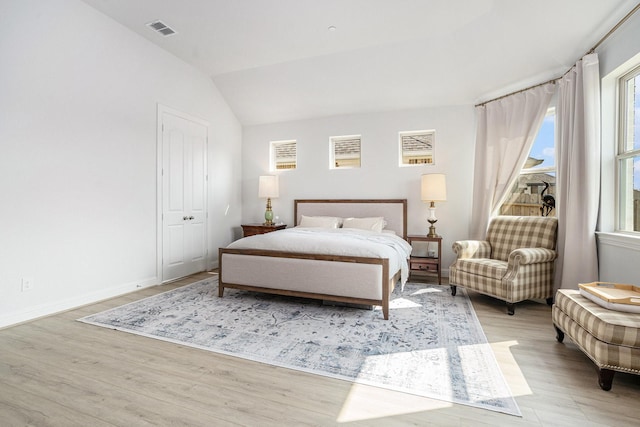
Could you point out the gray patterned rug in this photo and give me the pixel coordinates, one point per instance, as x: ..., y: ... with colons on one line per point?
x: 432, y: 345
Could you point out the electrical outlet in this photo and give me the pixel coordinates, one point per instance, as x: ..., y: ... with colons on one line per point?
x: 27, y: 284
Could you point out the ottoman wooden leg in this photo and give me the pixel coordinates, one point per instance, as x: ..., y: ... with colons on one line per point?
x: 559, y: 334
x: 605, y: 378
x: 511, y: 308
x: 454, y: 288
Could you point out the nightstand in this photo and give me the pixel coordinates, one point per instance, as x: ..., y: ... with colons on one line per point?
x: 428, y: 262
x: 251, y: 229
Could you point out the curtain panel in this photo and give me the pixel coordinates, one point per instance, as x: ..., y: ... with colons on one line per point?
x: 506, y: 129
x: 578, y: 173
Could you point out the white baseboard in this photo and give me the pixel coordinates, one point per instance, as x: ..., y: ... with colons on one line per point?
x: 12, y: 319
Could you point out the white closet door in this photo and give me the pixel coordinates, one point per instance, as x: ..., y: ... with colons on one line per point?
x: 184, y: 197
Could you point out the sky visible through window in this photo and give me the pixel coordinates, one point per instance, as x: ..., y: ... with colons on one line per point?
x: 543, y: 146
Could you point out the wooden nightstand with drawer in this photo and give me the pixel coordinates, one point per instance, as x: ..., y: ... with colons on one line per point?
x: 252, y: 229
x: 428, y: 262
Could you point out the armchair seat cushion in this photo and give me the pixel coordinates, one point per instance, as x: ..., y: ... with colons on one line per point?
x: 485, y: 267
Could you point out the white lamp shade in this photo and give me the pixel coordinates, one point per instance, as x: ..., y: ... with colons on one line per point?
x: 268, y: 186
x: 434, y: 187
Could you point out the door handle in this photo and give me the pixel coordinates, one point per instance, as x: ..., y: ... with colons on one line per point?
x: 191, y: 217
x: 184, y: 218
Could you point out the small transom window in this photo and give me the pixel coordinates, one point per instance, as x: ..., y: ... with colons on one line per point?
x: 283, y: 155
x: 345, y: 152
x: 416, y: 147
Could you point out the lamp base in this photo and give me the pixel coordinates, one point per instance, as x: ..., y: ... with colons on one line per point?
x: 432, y: 228
x: 268, y: 214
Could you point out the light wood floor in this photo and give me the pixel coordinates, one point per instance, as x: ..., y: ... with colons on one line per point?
x: 58, y: 372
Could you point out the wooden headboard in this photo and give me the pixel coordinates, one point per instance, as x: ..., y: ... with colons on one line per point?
x: 394, y: 211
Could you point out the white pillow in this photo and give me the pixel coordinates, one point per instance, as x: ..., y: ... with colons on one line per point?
x: 320, y: 221
x: 374, y: 223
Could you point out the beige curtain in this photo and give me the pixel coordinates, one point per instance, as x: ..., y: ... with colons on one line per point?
x: 578, y: 173
x: 506, y: 129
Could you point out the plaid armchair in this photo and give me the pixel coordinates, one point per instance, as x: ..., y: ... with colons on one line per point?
x: 514, y: 263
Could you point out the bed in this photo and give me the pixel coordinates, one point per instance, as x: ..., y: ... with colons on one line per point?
x: 358, y: 273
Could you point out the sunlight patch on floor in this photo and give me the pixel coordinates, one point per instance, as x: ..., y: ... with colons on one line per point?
x: 510, y: 369
x: 368, y: 402
x: 402, y: 303
x: 399, y: 303
x: 430, y: 290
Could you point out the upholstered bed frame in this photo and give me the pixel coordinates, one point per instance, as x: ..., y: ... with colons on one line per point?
x: 357, y: 280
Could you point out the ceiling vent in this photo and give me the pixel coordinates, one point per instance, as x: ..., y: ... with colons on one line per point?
x: 161, y: 28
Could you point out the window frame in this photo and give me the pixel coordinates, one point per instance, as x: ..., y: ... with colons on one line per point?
x: 333, y: 158
x: 624, y: 213
x: 273, y: 159
x: 425, y: 132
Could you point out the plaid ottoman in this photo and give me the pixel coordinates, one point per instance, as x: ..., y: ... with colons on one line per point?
x: 610, y: 338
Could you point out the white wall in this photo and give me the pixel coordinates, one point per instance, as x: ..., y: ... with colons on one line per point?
x: 379, y: 177
x: 619, y: 254
x: 78, y: 100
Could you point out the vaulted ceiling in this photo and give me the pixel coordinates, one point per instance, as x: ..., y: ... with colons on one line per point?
x: 281, y: 60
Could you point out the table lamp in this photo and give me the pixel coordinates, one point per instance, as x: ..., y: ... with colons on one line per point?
x: 434, y: 189
x: 268, y: 187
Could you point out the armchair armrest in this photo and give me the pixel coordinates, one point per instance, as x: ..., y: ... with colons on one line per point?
x: 472, y: 249
x: 524, y: 256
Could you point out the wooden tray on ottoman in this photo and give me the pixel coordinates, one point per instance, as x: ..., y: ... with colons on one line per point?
x: 614, y: 296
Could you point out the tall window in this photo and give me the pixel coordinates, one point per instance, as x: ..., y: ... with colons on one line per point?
x: 345, y: 152
x: 628, y: 158
x: 283, y: 155
x: 534, y: 192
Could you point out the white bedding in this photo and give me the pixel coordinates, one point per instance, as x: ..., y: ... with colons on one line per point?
x: 342, y: 241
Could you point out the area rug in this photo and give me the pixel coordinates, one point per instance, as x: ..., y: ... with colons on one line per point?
x: 432, y: 345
